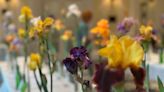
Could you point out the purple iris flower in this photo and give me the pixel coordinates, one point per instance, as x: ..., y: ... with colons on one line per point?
x: 16, y: 41
x: 155, y: 32
x: 126, y: 25
x: 71, y: 65
x: 80, y: 54
x: 122, y: 28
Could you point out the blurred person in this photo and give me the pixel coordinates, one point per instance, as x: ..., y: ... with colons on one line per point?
x: 83, y: 28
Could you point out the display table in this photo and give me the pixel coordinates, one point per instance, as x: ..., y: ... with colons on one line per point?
x: 61, y: 84
x: 8, y: 76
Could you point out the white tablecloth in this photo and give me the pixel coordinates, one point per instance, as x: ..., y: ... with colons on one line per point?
x: 60, y: 84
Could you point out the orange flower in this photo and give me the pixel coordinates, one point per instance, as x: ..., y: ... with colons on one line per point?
x: 101, y: 31
x: 103, y: 23
x: 67, y: 35
x: 9, y: 38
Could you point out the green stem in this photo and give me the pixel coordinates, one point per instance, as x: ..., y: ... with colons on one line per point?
x: 26, y: 55
x: 161, y: 56
x: 43, y: 84
x: 49, y: 64
x: 39, y: 86
x: 147, y: 73
x: 82, y: 75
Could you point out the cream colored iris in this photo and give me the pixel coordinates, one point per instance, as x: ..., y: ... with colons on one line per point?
x: 123, y: 53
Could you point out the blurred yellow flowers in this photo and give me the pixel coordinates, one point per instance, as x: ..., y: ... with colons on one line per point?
x: 35, y: 61
x: 41, y: 26
x: 123, y: 53
x: 48, y: 22
x: 26, y: 14
x: 31, y: 33
x: 58, y: 25
x: 146, y: 32
x: 21, y: 33
x: 67, y: 35
x: 101, y: 31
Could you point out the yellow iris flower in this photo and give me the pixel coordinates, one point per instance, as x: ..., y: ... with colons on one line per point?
x: 32, y: 33
x: 146, y: 31
x: 123, y: 53
x: 21, y: 33
x: 26, y: 11
x: 42, y: 25
x: 26, y: 14
x: 48, y: 22
x: 35, y: 60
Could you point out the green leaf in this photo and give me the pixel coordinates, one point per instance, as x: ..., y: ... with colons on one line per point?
x: 161, y: 56
x: 52, y: 48
x: 24, y: 87
x: 18, y: 80
x: 147, y: 81
x: 145, y: 45
x: 119, y: 87
x: 160, y: 85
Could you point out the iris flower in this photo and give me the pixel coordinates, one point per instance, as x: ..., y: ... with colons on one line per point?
x: 26, y: 14
x: 42, y: 25
x: 15, y: 45
x: 126, y: 25
x: 21, y: 33
x: 67, y: 35
x: 122, y: 53
x: 78, y: 58
x: 71, y: 65
x: 101, y: 31
x: 104, y: 78
x: 146, y: 32
x: 77, y: 62
x: 9, y: 38
x: 58, y: 25
x: 80, y: 54
x: 35, y: 61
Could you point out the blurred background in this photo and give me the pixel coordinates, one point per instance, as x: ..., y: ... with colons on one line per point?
x: 147, y: 12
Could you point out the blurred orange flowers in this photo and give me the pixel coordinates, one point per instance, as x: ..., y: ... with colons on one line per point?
x: 101, y: 31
